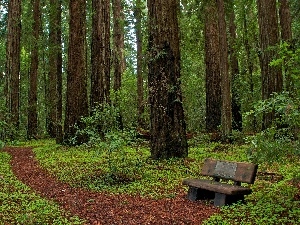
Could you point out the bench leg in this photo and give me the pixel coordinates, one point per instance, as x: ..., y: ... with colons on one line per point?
x: 195, y: 193
x: 192, y: 193
x: 220, y: 199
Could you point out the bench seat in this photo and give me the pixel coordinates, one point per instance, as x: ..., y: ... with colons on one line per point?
x: 215, y: 186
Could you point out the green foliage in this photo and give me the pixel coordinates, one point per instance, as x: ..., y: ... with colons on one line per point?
x: 19, y: 205
x: 8, y: 133
x: 101, y: 121
x: 275, y: 143
x: 289, y: 60
x: 127, y: 100
x: 192, y: 65
x: 272, y: 145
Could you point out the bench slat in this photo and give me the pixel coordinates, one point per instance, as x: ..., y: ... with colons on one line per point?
x: 214, y: 186
x: 236, y: 171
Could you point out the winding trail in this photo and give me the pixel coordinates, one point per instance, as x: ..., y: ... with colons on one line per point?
x: 102, y: 208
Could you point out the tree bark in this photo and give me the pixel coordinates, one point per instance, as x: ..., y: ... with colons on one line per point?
x: 285, y: 20
x: 212, y: 64
x: 250, y: 63
x: 54, y: 117
x: 12, y: 70
x: 224, y: 71
x: 59, y: 105
x: 167, y: 125
x: 119, y: 59
x: 100, y: 53
x: 269, y: 37
x: 32, y: 123
x: 286, y: 35
x: 76, y: 104
x: 118, y: 39
x: 55, y: 67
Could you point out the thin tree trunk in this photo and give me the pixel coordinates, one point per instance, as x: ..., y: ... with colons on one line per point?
x: 140, y: 81
x: 224, y: 71
x: 269, y: 36
x: 118, y: 39
x: 119, y: 59
x: 100, y: 53
x: 212, y: 64
x: 33, y: 79
x: 168, y: 128
x: 250, y: 64
x: 55, y: 66
x: 235, y: 106
x: 54, y: 123
x: 77, y: 103
x: 13, y: 50
x: 286, y: 35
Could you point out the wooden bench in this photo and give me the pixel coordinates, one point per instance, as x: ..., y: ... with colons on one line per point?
x: 222, y: 193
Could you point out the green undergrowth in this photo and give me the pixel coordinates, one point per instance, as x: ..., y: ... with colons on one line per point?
x: 130, y: 170
x: 20, y: 205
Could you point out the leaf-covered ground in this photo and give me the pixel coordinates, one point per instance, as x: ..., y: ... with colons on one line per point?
x: 104, y: 208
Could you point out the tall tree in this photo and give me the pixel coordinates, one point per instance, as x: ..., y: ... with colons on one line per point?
x: 269, y: 37
x: 212, y: 64
x: 167, y: 124
x: 59, y: 100
x: 234, y: 65
x: 285, y: 20
x: 100, y: 53
x: 249, y: 39
x: 139, y: 56
x: 224, y: 71
x: 118, y: 40
x: 76, y: 102
x: 32, y: 125
x: 54, y: 117
x: 118, y: 50
x: 286, y: 34
x: 12, y: 71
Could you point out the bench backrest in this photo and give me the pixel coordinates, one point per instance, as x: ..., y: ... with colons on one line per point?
x: 236, y: 171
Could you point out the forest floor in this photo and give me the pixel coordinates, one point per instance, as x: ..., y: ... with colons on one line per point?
x: 100, y: 208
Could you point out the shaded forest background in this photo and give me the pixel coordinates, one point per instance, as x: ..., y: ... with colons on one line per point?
x: 263, y: 68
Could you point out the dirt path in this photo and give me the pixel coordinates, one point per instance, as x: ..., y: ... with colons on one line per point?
x: 102, y: 208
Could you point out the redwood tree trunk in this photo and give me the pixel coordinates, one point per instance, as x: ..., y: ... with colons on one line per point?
x: 119, y: 59
x: 59, y: 105
x: 224, y: 71
x: 55, y: 69
x: 212, y: 63
x: 167, y: 125
x: 100, y: 53
x: 76, y: 104
x: 54, y: 118
x: 33, y: 79
x: 13, y: 61
x: 269, y: 36
x: 118, y: 39
x: 286, y: 35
